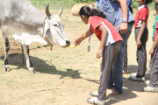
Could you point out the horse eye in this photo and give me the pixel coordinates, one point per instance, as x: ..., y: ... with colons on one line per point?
x: 55, y: 25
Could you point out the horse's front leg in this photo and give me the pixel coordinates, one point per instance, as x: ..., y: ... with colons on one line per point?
x: 28, y: 61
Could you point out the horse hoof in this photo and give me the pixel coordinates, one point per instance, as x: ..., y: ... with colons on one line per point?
x: 6, y: 68
x: 32, y: 70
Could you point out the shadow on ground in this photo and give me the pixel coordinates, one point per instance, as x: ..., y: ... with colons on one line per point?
x: 128, y: 87
x: 132, y: 68
x: 41, y: 66
x: 136, y: 86
x: 126, y: 95
x: 47, y: 67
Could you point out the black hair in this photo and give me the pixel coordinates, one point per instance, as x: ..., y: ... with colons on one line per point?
x: 147, y: 1
x: 87, y: 11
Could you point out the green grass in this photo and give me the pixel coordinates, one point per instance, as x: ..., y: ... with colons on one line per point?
x: 135, y: 4
x: 56, y: 4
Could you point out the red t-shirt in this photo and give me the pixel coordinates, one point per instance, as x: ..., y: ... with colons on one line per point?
x: 141, y: 14
x: 112, y: 36
x: 156, y: 31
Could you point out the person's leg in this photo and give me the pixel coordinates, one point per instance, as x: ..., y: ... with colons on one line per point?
x: 150, y: 64
x: 107, y: 62
x: 108, y: 57
x: 125, y: 61
x: 125, y: 58
x: 153, y: 86
x: 141, y: 53
x: 117, y: 71
x: 141, y: 56
x: 136, y: 35
x: 110, y: 81
x: 142, y: 61
x: 116, y: 79
x: 116, y: 84
x: 154, y: 70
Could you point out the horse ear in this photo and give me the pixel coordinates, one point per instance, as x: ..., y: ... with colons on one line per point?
x: 46, y: 27
x: 60, y: 12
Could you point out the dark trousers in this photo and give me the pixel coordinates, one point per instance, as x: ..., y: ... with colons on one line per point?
x: 141, y: 52
x: 108, y: 57
x: 154, y: 69
x: 125, y: 60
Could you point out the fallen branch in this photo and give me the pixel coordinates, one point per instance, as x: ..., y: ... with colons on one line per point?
x: 47, y: 89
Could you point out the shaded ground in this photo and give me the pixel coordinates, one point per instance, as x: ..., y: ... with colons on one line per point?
x: 66, y: 76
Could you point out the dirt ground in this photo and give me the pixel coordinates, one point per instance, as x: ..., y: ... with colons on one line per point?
x: 65, y: 76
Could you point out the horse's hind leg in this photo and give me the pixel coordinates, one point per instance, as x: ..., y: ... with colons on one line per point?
x: 6, y: 48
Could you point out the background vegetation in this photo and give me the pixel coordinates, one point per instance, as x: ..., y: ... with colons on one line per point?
x: 135, y: 4
x: 56, y: 4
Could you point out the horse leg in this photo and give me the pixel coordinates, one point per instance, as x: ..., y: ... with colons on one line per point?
x: 5, y: 34
x: 28, y: 61
x: 22, y: 55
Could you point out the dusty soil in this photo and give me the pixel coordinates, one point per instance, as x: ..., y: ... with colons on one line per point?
x: 65, y: 76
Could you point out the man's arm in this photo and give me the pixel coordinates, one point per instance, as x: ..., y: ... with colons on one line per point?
x: 123, y: 4
x: 123, y: 27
